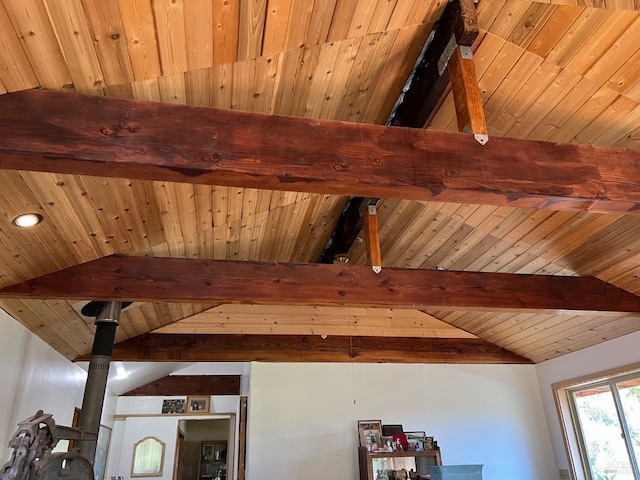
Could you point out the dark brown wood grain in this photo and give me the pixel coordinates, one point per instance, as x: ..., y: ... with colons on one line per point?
x: 221, y: 281
x: 190, y: 385
x: 70, y: 133
x: 292, y: 348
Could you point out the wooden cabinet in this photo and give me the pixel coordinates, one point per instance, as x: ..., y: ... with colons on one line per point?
x: 372, y: 462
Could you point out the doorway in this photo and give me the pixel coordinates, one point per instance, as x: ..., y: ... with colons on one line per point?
x: 207, y: 451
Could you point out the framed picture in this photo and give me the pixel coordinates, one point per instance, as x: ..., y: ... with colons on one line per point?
x: 401, y: 442
x: 102, y: 449
x: 213, y: 451
x: 370, y: 434
x: 415, y: 440
x: 198, y: 404
x: 388, y: 445
x: 392, y: 430
x: 428, y: 443
x: 173, y: 406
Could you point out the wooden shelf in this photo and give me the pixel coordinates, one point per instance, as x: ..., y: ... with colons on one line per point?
x: 406, y: 453
x: 365, y: 459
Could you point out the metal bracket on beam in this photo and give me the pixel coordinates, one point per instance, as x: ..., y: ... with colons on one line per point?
x: 481, y: 138
x: 443, y: 61
x: 466, y: 52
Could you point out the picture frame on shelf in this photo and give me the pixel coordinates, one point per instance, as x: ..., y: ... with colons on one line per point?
x: 198, y: 404
x: 370, y: 434
x: 173, y: 406
x: 429, y: 443
x: 388, y: 445
x: 401, y: 442
x: 392, y: 430
x: 415, y: 440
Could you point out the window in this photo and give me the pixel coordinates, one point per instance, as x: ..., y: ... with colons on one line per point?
x: 148, y: 457
x: 604, y: 416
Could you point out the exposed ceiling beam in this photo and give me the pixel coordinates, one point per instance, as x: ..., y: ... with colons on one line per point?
x: 221, y: 281
x: 190, y: 385
x: 430, y: 79
x: 281, y: 348
x: 102, y: 136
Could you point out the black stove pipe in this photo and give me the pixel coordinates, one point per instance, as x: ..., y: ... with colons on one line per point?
x: 107, y: 318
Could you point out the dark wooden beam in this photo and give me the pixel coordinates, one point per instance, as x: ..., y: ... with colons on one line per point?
x: 292, y: 348
x: 430, y: 78
x: 190, y: 385
x: 221, y: 281
x: 347, y: 229
x: 112, y: 137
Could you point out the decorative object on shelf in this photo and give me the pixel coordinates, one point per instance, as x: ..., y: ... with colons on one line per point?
x: 173, y: 406
x: 370, y: 434
x: 198, y: 404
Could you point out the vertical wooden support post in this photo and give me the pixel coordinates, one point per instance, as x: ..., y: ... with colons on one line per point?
x: 242, y: 439
x: 466, y: 94
x: 372, y: 238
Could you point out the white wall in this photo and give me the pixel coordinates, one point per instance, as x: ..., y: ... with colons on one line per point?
x: 33, y: 377
x: 130, y: 429
x: 303, y: 417
x: 615, y: 353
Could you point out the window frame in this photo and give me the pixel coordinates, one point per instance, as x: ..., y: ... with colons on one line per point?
x: 569, y: 422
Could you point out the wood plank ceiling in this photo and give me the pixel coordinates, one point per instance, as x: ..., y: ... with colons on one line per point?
x: 559, y: 71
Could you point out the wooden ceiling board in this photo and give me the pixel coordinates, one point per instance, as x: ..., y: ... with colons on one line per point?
x: 300, y: 320
x: 32, y: 26
x: 559, y: 70
x: 15, y: 70
x: 605, y: 4
x: 198, y: 25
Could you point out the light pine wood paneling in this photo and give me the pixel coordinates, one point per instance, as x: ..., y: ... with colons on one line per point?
x: 140, y: 30
x: 69, y: 23
x: 226, y: 18
x: 32, y: 25
x: 107, y: 30
x: 15, y: 71
x: 171, y: 35
x: 283, y: 320
x: 199, y: 28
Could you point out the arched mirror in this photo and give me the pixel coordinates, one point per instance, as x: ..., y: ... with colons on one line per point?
x: 148, y: 457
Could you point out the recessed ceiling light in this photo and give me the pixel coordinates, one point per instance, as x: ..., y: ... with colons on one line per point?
x: 27, y: 220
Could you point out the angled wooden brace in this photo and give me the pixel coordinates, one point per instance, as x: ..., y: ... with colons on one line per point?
x: 372, y: 238
x: 466, y: 94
